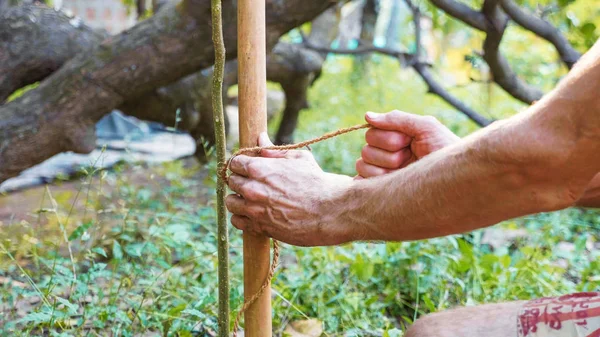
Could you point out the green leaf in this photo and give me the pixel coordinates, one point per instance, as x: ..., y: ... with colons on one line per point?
x: 36, y: 317
x: 565, y: 3
x: 117, y: 250
x: 99, y: 251
x: 177, y: 310
x: 362, y: 269
x: 428, y: 303
x: 505, y: 260
x: 392, y: 333
x: 72, y: 307
x: 78, y: 232
x: 465, y: 248
x: 588, y: 30
x: 134, y: 249
x: 195, y: 313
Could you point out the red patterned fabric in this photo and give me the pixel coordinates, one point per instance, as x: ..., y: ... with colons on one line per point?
x: 575, y: 315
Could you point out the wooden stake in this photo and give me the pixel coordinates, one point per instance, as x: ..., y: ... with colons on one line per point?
x: 252, y: 98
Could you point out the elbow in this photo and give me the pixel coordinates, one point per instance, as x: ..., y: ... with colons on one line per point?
x: 554, y: 197
x: 552, y: 171
x: 552, y: 187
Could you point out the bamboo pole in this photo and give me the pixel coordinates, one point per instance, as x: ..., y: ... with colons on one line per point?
x: 219, y: 121
x: 252, y: 91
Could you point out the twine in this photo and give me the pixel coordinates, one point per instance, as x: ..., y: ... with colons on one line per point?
x: 222, y: 172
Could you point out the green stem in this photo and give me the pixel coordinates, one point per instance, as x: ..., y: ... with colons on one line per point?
x: 219, y: 119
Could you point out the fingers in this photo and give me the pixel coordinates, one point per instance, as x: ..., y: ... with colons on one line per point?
x: 236, y: 183
x: 290, y: 154
x: 246, y: 215
x: 251, y: 167
x: 249, y: 189
x: 240, y: 206
x: 409, y: 124
x: 385, y: 159
x: 391, y: 141
x: 264, y: 141
x: 366, y: 170
x: 239, y: 165
x: 249, y: 226
x: 241, y: 222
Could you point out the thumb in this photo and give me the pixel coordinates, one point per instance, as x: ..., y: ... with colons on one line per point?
x: 264, y: 141
x: 406, y: 123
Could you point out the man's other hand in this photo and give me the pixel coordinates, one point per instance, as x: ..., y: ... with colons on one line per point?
x: 398, y: 139
x: 287, y: 196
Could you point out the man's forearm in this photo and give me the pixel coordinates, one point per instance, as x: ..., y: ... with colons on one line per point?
x: 540, y: 160
x: 591, y: 196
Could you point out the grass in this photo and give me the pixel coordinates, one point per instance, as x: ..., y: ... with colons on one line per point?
x: 122, y: 255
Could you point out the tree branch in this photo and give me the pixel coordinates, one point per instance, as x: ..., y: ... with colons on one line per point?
x: 411, y: 60
x: 363, y: 48
x: 220, y: 142
x: 499, y: 66
x: 57, y: 39
x: 463, y: 13
x: 433, y: 86
x: 492, y: 21
x: 543, y: 29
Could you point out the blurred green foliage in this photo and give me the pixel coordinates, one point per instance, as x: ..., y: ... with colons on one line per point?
x: 142, y: 257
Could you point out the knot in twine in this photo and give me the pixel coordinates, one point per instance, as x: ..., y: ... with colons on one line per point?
x: 222, y: 173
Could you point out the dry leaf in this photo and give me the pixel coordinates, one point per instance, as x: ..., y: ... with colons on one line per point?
x: 306, y: 328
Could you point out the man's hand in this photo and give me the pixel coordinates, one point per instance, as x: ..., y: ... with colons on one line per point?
x: 398, y: 139
x: 287, y: 196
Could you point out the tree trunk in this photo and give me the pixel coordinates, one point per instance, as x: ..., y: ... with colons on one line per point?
x: 61, y: 113
x: 3, y: 6
x: 140, y: 7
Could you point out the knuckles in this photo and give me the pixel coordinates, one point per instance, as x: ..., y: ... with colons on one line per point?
x: 229, y: 201
x: 238, y: 222
x: 396, y: 142
x: 392, y: 159
x: 396, y: 159
x: 256, y: 212
x: 394, y: 114
x: 254, y: 168
x: 431, y: 120
x: 253, y: 191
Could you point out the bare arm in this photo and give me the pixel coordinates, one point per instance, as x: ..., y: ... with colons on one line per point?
x: 591, y: 197
x: 540, y: 160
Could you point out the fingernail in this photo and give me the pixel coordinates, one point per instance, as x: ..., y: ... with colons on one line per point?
x: 372, y: 115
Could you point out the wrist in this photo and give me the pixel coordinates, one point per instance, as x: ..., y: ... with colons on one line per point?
x: 336, y: 203
x: 345, y: 210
